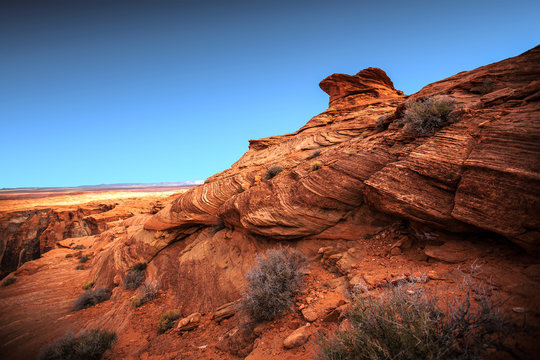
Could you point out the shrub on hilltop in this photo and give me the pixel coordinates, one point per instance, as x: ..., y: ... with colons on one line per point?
x: 426, y: 115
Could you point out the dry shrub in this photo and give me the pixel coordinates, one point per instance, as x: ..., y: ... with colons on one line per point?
x: 146, y: 293
x: 10, y: 280
x: 407, y: 322
x: 272, y: 171
x: 167, y: 320
x: 272, y: 282
x: 89, y: 346
x: 91, y: 297
x: 135, y: 277
x: 424, y: 116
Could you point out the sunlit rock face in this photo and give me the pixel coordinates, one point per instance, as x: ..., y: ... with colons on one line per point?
x: 462, y: 178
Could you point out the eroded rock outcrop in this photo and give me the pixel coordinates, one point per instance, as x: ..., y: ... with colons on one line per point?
x: 461, y: 178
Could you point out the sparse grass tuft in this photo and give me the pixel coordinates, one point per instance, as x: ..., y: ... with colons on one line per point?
x: 316, y: 165
x: 426, y: 115
x: 89, y: 346
x: 167, y: 320
x: 91, y: 297
x: 406, y: 322
x: 80, y: 267
x: 272, y: 171
x: 84, y: 259
x: 78, y: 247
x: 88, y: 285
x: 272, y: 282
x: 10, y: 280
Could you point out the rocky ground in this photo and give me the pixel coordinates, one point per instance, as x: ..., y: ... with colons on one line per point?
x: 364, y: 200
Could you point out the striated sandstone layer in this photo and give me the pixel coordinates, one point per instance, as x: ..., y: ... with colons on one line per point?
x: 461, y: 178
x: 361, y: 198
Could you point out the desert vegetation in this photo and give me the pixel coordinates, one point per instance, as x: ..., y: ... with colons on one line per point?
x: 167, y: 320
x: 272, y: 283
x: 272, y: 171
x: 88, y: 285
x: 91, y: 297
x: 405, y: 321
x: 146, y: 293
x: 88, y: 346
x: 316, y: 165
x: 426, y: 115
x: 10, y: 280
x: 135, y: 277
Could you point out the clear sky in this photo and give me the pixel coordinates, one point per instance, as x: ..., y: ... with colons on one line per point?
x: 95, y: 92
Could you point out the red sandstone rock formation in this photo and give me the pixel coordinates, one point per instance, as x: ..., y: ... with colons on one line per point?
x: 373, y: 194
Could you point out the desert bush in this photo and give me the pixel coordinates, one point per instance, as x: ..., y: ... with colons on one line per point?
x: 10, y: 280
x: 84, y: 259
x: 88, y: 285
x: 272, y: 171
x: 426, y: 115
x: 89, y: 346
x: 78, y: 247
x: 140, y: 266
x: 272, y: 282
x: 146, y: 293
x: 91, y: 297
x: 79, y: 267
x: 407, y: 322
x: 314, y: 154
x: 135, y: 277
x: 316, y: 165
x: 167, y: 320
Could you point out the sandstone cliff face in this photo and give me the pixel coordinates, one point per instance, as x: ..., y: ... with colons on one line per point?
x: 26, y: 235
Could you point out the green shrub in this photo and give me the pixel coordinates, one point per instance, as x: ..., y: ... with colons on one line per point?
x: 84, y: 259
x: 79, y: 267
x: 146, y: 293
x: 272, y: 282
x: 316, y: 165
x: 91, y: 297
x: 167, y: 320
x: 426, y: 115
x: 10, y: 280
x: 272, y: 171
x: 406, y: 322
x: 88, y: 285
x: 89, y: 346
x: 78, y: 247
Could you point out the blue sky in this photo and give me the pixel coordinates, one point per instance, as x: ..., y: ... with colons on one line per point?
x: 145, y: 91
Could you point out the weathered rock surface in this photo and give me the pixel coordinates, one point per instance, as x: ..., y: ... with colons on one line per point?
x: 297, y: 337
x: 460, y: 178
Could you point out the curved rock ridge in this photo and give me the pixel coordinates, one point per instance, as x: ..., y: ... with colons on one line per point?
x: 462, y: 178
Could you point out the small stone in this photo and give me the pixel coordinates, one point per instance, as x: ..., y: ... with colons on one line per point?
x: 189, y: 323
x: 297, y: 338
x: 520, y: 310
x: 395, y: 251
x: 309, y: 314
